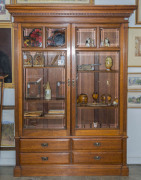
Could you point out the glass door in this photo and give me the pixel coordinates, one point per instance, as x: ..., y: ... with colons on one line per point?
x: 96, y: 76
x: 46, y: 92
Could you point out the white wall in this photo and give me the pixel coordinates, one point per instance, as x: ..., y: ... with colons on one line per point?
x: 133, y: 117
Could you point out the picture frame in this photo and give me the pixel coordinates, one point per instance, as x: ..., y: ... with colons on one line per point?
x: 138, y: 12
x: 134, y: 99
x: 8, y: 130
x: 134, y: 47
x: 134, y: 81
x: 7, y: 53
x: 4, y: 14
x: 55, y: 1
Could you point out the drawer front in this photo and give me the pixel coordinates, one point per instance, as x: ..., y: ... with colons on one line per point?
x: 44, y: 158
x: 97, y: 158
x: 92, y: 144
x: 44, y: 145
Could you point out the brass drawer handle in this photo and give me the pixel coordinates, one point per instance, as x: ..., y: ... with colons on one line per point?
x: 68, y: 82
x: 97, y: 157
x: 73, y: 83
x: 97, y: 144
x: 44, y: 158
x: 44, y: 144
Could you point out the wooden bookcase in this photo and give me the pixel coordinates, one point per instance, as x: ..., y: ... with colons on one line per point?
x: 82, y: 52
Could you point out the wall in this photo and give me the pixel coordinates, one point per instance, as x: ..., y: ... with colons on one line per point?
x: 133, y: 116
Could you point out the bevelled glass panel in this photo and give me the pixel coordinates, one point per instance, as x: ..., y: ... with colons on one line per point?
x: 109, y: 37
x: 44, y: 59
x: 32, y: 37
x: 86, y: 37
x: 97, y: 118
x: 55, y: 37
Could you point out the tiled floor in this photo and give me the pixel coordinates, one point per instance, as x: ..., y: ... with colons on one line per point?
x: 6, y: 173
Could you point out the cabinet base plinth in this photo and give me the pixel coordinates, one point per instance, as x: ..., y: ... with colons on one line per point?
x: 17, y: 171
x: 124, y: 171
x: 72, y: 170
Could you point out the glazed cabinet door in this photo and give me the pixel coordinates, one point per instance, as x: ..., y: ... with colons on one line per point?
x: 96, y: 79
x: 45, y: 79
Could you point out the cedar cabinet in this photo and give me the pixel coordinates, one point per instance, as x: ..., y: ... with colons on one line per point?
x: 71, y: 89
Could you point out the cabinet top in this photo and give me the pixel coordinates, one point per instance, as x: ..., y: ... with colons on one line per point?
x: 70, y: 10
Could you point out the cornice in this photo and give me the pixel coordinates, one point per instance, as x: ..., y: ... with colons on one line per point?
x: 70, y: 11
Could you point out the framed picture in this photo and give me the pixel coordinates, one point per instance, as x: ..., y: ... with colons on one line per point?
x: 57, y: 1
x: 134, y: 81
x: 138, y: 12
x: 7, y: 53
x: 4, y: 14
x: 134, y: 47
x: 134, y: 99
x: 8, y: 129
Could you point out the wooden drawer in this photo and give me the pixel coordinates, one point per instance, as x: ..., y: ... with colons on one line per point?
x: 44, y: 145
x: 92, y: 144
x: 97, y: 157
x: 44, y: 158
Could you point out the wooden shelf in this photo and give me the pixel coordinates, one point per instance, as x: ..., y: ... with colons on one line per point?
x: 53, y: 100
x: 96, y: 107
x: 100, y: 71
x: 48, y: 116
x: 97, y: 49
x: 44, y: 49
x: 46, y: 67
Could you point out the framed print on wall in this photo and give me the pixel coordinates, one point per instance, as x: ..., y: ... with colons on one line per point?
x: 134, y: 81
x: 57, y: 1
x: 134, y: 99
x: 4, y: 14
x: 8, y: 129
x: 6, y: 53
x: 138, y: 12
x: 134, y: 47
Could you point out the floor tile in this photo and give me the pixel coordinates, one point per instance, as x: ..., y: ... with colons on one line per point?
x: 110, y: 178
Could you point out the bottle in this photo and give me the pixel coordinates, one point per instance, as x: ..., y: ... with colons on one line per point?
x: 47, y: 91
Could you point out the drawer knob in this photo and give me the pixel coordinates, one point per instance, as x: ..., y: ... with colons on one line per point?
x: 44, y: 158
x: 44, y: 144
x: 97, y: 144
x: 97, y: 157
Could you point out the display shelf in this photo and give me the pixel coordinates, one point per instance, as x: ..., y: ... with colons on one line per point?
x: 96, y: 107
x: 44, y: 49
x: 45, y: 67
x: 97, y: 49
x: 48, y: 116
x: 101, y: 71
x: 53, y: 100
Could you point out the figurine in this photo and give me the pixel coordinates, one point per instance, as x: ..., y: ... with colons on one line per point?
x: 106, y: 42
x: 88, y: 42
x: 92, y: 43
